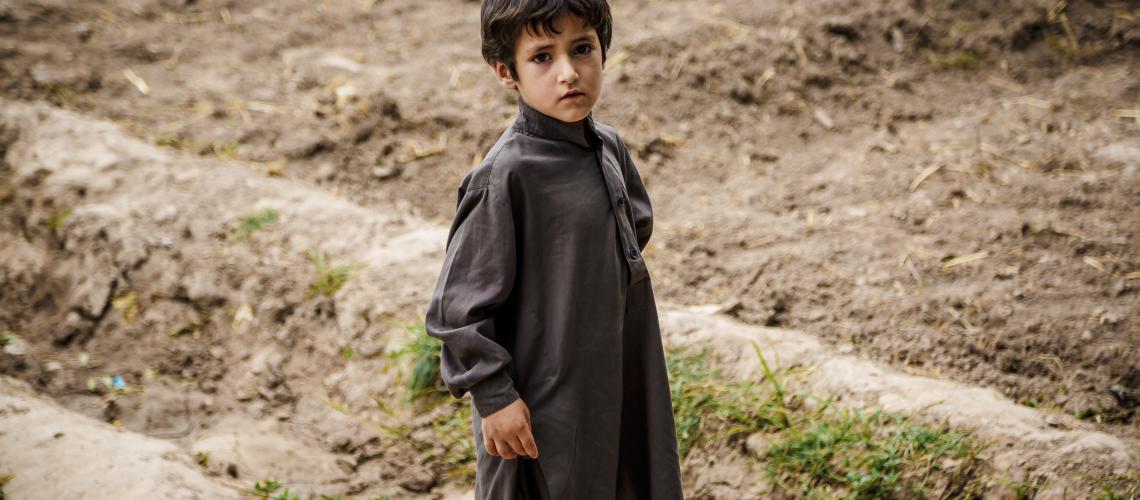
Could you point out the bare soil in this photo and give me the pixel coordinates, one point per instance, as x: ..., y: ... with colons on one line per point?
x: 946, y: 187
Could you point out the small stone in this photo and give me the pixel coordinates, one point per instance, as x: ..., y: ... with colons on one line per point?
x: 326, y: 171
x: 732, y: 308
x: 419, y: 479
x: 757, y: 443
x: 815, y: 314
x: 166, y: 214
x: 1110, y: 318
x: 1007, y: 272
x: 385, y: 172
x: 16, y: 347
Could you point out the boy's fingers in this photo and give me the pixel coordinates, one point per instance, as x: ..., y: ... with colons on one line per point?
x: 528, y: 443
x: 505, y: 450
x: 516, y: 445
x: 491, y: 448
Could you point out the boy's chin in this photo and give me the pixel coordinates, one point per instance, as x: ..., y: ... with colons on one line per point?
x: 574, y: 118
x: 571, y: 116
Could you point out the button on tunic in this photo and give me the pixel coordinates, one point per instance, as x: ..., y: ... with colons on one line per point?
x: 544, y: 295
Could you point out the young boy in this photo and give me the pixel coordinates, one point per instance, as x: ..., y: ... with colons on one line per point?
x: 544, y: 304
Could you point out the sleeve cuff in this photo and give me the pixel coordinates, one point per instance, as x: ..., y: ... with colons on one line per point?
x: 493, y: 393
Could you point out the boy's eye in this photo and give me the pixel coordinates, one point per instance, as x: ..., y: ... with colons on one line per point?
x: 540, y: 58
x: 584, y: 49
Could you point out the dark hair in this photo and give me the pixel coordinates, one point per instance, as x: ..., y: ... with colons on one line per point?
x: 502, y: 22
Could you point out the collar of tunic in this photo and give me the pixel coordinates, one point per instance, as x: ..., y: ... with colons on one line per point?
x: 533, y: 122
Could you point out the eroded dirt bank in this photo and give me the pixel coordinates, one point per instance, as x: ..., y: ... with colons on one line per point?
x: 945, y: 186
x: 248, y: 368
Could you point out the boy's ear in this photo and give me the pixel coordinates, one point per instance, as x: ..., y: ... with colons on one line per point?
x: 503, y: 73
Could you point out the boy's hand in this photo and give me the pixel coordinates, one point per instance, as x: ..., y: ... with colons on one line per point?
x: 506, y: 432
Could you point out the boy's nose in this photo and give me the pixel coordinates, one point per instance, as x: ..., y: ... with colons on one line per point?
x: 567, y: 73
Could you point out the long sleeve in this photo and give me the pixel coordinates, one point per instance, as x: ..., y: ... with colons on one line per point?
x: 477, y: 276
x: 639, y: 202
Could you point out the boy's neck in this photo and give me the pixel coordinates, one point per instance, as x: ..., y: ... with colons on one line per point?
x: 543, y: 124
x: 580, y: 126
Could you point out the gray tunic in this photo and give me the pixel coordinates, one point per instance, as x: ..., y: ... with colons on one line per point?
x: 544, y: 295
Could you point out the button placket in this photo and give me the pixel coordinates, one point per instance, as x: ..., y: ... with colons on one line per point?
x: 614, y: 187
x: 625, y: 230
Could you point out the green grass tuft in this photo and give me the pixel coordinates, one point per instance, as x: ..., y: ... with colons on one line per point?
x: 822, y: 452
x: 170, y: 140
x: 55, y: 222
x: 423, y: 349
x: 226, y: 151
x: 1131, y: 489
x: 701, y: 395
x: 269, y: 489
x: 252, y: 223
x: 4, y: 478
x: 329, y: 279
x: 857, y: 455
x: 454, y: 431
x: 959, y: 60
x: 454, y: 446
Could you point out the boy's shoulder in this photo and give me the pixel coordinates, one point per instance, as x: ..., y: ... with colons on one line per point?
x: 482, y: 174
x: 609, y: 134
x: 508, y: 154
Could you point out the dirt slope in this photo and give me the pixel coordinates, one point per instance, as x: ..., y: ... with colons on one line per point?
x: 820, y: 163
x: 944, y: 187
x: 243, y: 376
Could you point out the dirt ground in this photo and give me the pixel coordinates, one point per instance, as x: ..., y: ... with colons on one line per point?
x: 947, y: 187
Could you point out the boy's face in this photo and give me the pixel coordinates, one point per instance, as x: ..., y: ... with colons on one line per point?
x: 559, y: 74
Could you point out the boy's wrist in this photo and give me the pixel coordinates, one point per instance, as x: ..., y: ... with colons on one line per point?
x: 493, y: 393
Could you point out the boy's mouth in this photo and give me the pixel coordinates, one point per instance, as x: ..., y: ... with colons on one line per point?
x: 573, y: 93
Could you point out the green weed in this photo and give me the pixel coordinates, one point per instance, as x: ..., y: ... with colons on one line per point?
x: 4, y: 478
x: 189, y: 327
x: 1026, y: 488
x: 227, y: 151
x: 329, y: 279
x: 1131, y: 489
x: 425, y: 388
x: 1060, y: 45
x: 169, y: 140
x: 701, y: 394
x: 454, y: 431
x: 423, y: 349
x: 252, y: 223
x: 269, y: 489
x: 822, y: 452
x: 55, y: 222
x: 61, y: 91
x: 857, y: 455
